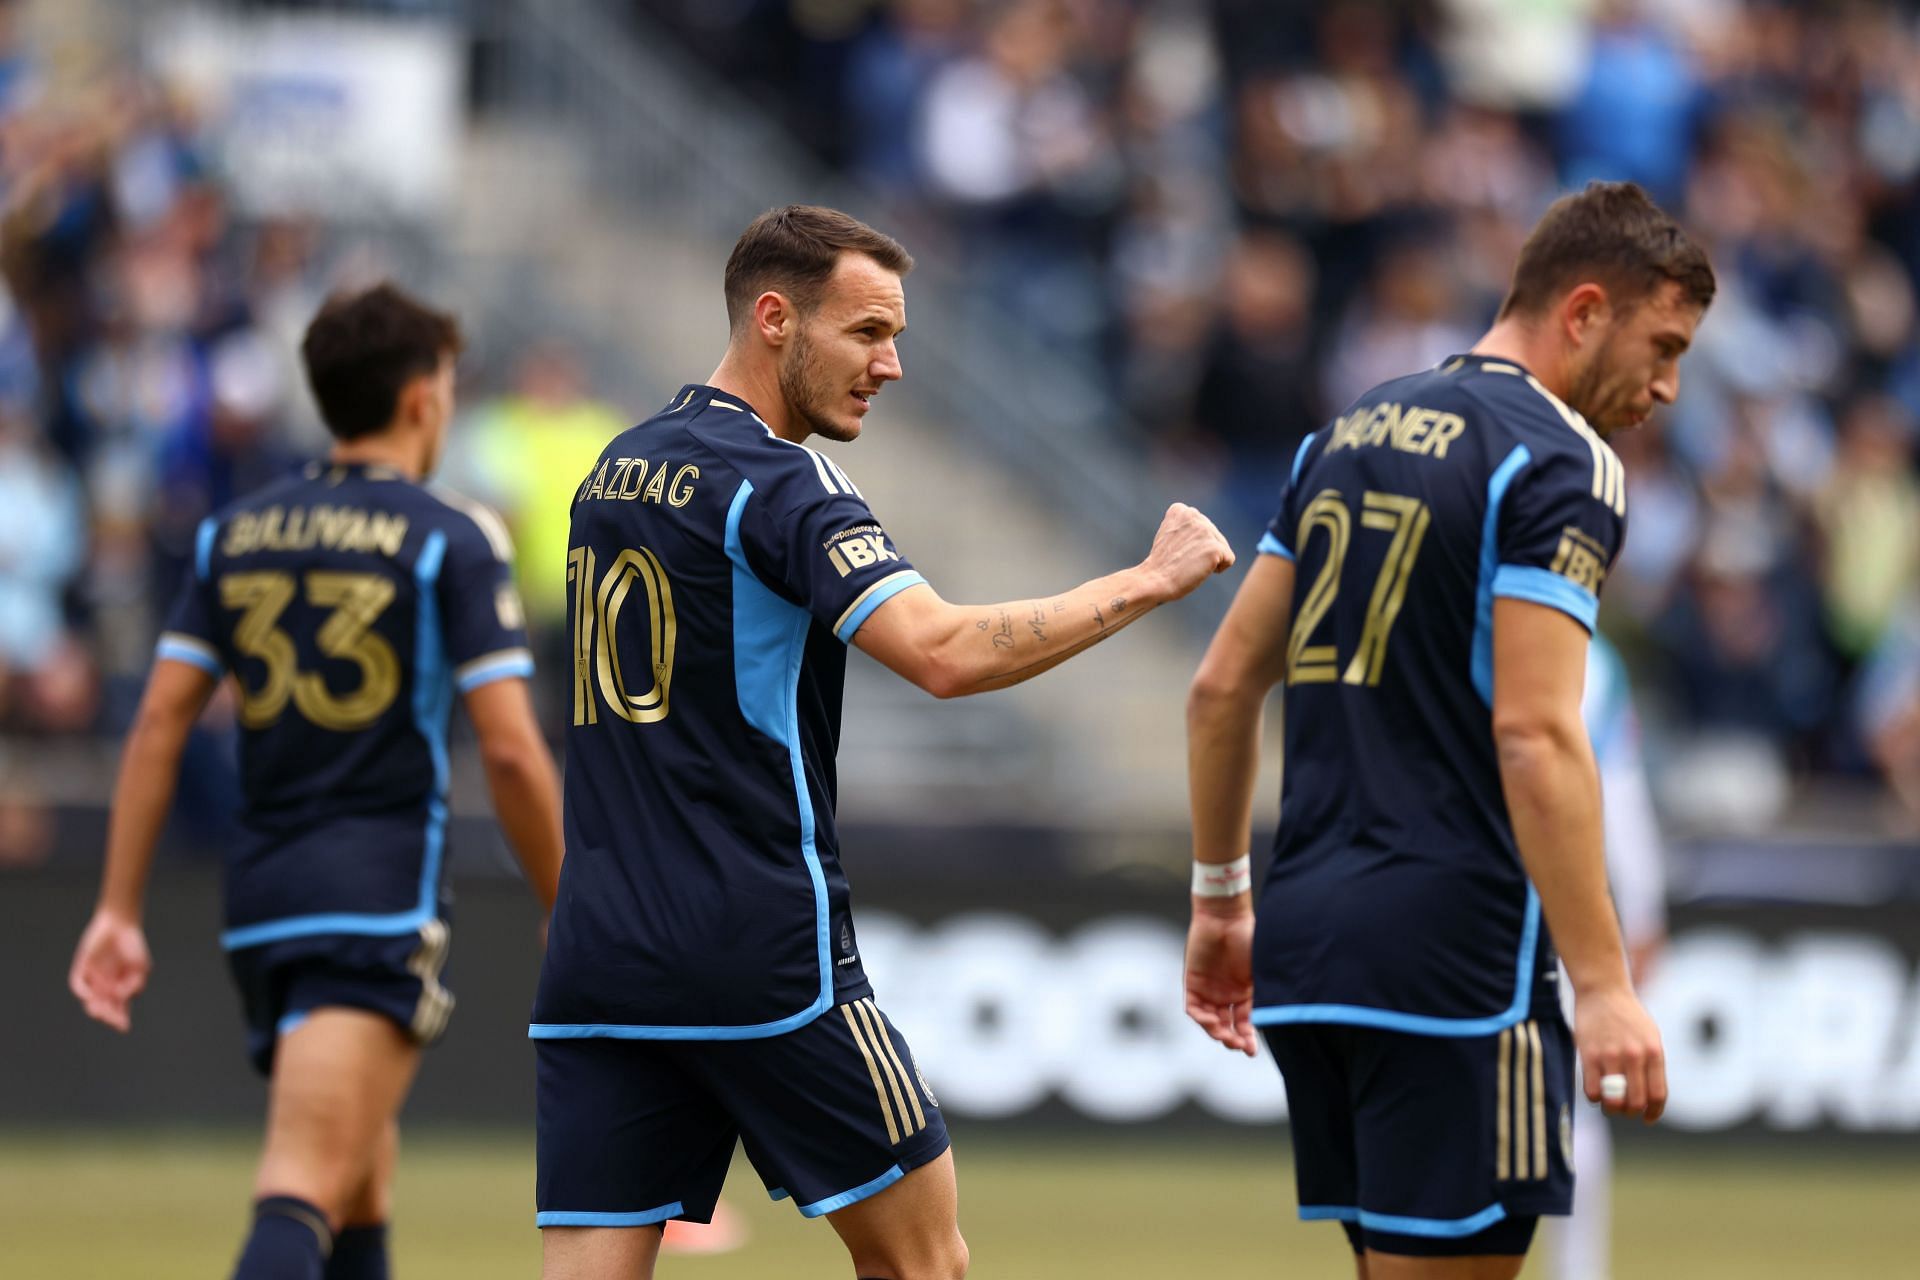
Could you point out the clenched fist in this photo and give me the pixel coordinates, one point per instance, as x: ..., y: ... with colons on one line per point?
x: 1187, y: 550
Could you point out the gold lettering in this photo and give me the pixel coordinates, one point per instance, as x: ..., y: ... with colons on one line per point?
x: 1385, y: 418
x: 240, y: 534
x: 598, y: 488
x: 839, y: 561
x: 1414, y: 425
x: 389, y: 531
x: 858, y: 553
x: 1445, y: 432
x: 656, y: 487
x: 637, y: 473
x: 270, y: 528
x: 681, y: 493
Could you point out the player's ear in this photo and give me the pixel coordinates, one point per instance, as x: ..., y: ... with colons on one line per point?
x: 1584, y: 312
x: 774, y: 317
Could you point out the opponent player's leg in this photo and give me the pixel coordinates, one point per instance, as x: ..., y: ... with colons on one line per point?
x: 360, y: 1246
x: 910, y: 1231
x: 339, y: 1078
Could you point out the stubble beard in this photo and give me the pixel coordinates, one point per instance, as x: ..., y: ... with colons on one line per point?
x: 803, y: 387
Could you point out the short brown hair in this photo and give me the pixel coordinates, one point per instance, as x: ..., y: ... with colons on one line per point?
x: 793, y: 249
x: 363, y: 348
x: 1614, y: 235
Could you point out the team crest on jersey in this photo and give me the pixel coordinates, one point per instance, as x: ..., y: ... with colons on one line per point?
x: 921, y: 1077
x: 506, y: 603
x: 860, y: 547
x: 1566, y: 1134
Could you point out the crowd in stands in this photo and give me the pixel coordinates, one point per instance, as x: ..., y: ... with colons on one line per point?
x: 1243, y: 212
x: 1250, y: 211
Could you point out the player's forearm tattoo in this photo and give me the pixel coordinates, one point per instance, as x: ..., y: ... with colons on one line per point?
x: 1119, y: 605
x: 1059, y: 606
x: 1003, y: 638
x: 1038, y: 624
x: 1099, y: 617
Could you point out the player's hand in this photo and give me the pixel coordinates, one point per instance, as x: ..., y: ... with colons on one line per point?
x: 1220, y: 977
x: 1615, y: 1035
x: 1187, y: 550
x: 110, y: 968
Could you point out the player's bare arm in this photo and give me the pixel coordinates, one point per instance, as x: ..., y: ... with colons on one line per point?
x: 111, y: 964
x: 952, y: 650
x: 521, y: 779
x: 1246, y: 659
x: 1552, y: 789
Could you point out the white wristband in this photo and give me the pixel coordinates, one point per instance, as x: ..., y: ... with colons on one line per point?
x: 1223, y: 879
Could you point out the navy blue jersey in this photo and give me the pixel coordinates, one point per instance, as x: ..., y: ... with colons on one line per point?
x: 349, y: 604
x: 717, y: 573
x: 1396, y: 897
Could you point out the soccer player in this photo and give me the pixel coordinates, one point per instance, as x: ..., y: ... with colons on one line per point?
x: 703, y: 982
x: 1580, y: 1244
x: 349, y: 604
x: 1426, y: 594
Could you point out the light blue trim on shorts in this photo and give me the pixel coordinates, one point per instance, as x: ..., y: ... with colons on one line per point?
x: 572, y: 1218
x: 1435, y: 1228
x: 820, y: 1208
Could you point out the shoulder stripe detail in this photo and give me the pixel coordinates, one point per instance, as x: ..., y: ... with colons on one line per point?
x: 1496, y: 366
x: 820, y: 466
x: 718, y: 403
x: 846, y: 483
x: 491, y: 525
x: 1609, y: 476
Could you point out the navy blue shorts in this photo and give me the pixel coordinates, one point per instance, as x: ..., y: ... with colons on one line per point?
x: 282, y: 982
x: 1431, y: 1145
x: 634, y: 1132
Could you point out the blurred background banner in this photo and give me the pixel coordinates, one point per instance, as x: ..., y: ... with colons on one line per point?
x: 322, y: 116
x: 1059, y: 1007
x: 1159, y: 242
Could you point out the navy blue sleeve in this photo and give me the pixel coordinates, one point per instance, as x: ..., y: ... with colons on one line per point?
x: 486, y: 637
x: 189, y: 635
x: 1278, y: 539
x: 1561, y: 525
x: 812, y: 536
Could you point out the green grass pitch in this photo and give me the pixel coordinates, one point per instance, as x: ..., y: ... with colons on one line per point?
x: 171, y: 1206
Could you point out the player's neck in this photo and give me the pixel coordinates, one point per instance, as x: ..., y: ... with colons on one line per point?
x: 760, y: 388
x: 1528, y: 346
x: 385, y: 449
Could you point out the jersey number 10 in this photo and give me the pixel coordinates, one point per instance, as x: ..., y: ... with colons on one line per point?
x: 597, y: 603
x: 1403, y: 517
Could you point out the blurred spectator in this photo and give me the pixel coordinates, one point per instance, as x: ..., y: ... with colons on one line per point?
x: 43, y: 543
x: 526, y: 453
x: 1869, y: 517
